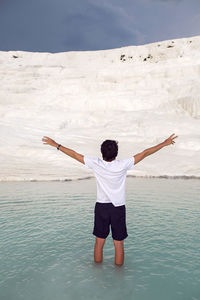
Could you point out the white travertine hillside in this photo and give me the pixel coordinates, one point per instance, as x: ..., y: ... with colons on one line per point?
x: 138, y: 95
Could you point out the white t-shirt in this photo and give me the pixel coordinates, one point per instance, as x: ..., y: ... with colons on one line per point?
x: 110, y: 178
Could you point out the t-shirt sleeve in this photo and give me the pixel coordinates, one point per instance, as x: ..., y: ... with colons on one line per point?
x: 89, y: 162
x: 129, y: 162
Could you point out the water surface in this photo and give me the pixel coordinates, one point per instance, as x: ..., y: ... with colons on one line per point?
x: 47, y: 243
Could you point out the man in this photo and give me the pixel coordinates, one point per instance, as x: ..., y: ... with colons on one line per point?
x: 110, y: 203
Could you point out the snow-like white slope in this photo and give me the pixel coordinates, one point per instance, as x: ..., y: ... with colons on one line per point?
x: 138, y: 95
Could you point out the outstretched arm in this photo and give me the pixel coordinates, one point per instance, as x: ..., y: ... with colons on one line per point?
x: 67, y: 151
x: 138, y: 157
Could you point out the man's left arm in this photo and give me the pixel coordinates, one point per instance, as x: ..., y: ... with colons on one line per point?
x: 65, y: 150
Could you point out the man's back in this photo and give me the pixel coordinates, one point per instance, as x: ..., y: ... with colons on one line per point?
x: 110, y: 178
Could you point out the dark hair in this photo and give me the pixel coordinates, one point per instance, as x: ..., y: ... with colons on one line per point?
x: 109, y: 149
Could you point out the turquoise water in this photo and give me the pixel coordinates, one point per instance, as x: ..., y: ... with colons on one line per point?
x: 47, y: 243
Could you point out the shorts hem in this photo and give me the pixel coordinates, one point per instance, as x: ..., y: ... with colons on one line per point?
x: 120, y: 239
x: 100, y: 236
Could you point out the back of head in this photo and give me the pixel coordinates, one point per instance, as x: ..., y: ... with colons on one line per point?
x: 109, y: 149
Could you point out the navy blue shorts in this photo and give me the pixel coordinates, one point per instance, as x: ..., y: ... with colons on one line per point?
x: 106, y: 214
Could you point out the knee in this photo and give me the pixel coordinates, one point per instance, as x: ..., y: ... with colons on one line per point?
x: 99, y: 242
x: 118, y: 244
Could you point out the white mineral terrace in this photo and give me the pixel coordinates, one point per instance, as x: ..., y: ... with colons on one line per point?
x: 138, y: 95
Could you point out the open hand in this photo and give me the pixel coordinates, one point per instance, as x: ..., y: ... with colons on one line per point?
x: 170, y: 140
x: 49, y: 141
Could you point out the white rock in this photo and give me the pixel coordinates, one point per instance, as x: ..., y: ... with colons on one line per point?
x: 138, y: 95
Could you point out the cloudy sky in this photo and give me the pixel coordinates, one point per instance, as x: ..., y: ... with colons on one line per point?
x: 71, y: 25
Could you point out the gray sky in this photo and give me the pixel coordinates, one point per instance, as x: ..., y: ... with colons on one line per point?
x: 71, y: 25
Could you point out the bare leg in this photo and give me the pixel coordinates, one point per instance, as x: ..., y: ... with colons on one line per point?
x: 98, y: 249
x: 119, y: 252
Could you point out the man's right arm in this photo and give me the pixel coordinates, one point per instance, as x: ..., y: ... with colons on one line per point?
x: 138, y: 157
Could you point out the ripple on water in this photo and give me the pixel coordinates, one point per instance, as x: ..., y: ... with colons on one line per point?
x: 47, y: 243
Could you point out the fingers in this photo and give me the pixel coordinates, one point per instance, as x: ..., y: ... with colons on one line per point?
x: 171, y: 136
x: 174, y: 137
x: 46, y: 139
x: 171, y: 139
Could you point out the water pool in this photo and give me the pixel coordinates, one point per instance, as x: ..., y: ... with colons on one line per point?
x: 47, y: 243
